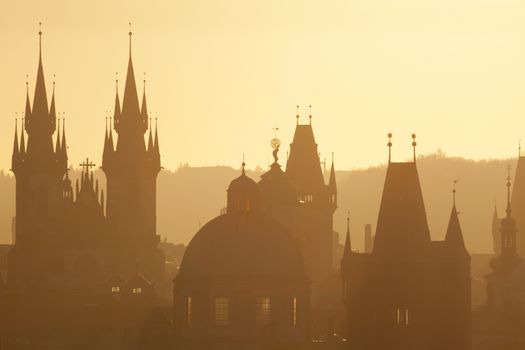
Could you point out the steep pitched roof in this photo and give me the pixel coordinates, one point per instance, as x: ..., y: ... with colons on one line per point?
x: 402, y: 223
x: 454, y: 242
x: 304, y: 166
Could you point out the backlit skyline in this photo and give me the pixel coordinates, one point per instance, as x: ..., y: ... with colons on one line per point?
x: 221, y: 75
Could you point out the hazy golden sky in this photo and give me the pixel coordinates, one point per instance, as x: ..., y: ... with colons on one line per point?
x: 222, y: 73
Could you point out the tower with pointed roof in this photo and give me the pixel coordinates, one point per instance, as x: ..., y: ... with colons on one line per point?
x: 131, y: 167
x: 505, y: 287
x: 40, y: 170
x: 318, y: 201
x: 409, y: 292
x: 518, y: 204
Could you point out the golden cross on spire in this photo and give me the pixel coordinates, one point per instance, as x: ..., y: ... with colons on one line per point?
x: 87, y: 165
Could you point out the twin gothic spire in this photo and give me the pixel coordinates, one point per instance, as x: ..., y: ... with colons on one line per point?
x: 40, y: 123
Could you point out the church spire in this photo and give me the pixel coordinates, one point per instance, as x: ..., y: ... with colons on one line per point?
x: 116, y: 110
x: 150, y: 138
x: 63, y: 147
x: 52, y: 111
x: 144, y: 106
x: 27, y: 113
x: 332, y: 183
x: 22, y: 138
x: 348, y: 242
x: 130, y: 104
x: 156, y: 141
x: 57, y: 145
x: 16, y: 149
x: 40, y: 107
x: 454, y: 237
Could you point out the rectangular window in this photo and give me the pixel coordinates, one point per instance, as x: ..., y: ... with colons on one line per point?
x: 221, y: 311
x: 294, y: 311
x: 189, y: 311
x: 115, y: 289
x: 402, y: 317
x: 136, y: 290
x: 262, y: 312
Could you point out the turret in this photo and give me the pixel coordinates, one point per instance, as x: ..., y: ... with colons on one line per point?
x: 454, y: 242
x: 243, y: 194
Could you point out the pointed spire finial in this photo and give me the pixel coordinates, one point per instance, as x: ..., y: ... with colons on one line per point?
x: 40, y: 38
x: 243, y: 165
x: 54, y: 78
x: 116, y: 81
x: 297, y: 114
x: 389, y: 144
x: 508, y: 190
x: 348, y: 222
x: 130, y: 34
x: 310, y: 114
x: 414, y: 144
x: 454, y: 193
x: 519, y: 148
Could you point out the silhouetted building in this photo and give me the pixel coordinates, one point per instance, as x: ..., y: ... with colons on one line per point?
x: 318, y: 202
x: 502, y: 322
x: 518, y: 204
x: 409, y: 292
x: 304, y: 205
x: 62, y: 284
x: 131, y: 171
x: 242, y: 283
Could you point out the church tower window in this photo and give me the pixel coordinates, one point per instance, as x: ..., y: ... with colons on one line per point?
x: 263, y: 310
x: 189, y: 310
x: 136, y: 290
x: 294, y: 311
x: 221, y: 311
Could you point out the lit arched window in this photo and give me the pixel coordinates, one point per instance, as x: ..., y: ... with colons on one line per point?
x: 262, y: 311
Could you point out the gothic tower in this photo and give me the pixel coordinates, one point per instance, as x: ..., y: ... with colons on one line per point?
x: 39, y: 169
x: 131, y: 170
x: 319, y: 201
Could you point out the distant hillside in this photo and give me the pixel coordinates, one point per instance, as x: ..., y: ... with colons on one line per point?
x: 189, y: 197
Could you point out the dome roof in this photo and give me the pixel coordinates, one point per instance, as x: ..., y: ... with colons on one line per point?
x: 242, y: 245
x: 242, y: 184
x: 276, y: 186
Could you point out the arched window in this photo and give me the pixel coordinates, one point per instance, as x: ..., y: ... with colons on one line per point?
x: 263, y: 311
x: 221, y: 311
x: 189, y: 311
x: 294, y: 311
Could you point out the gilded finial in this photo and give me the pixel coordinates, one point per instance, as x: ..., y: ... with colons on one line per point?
x: 454, y: 193
x: 243, y: 165
x: 27, y: 83
x: 310, y: 114
x: 54, y: 78
x: 389, y: 144
x: 130, y: 33
x: 40, y: 38
x: 414, y: 144
x: 116, y: 81
x: 348, y: 221
x: 297, y: 114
